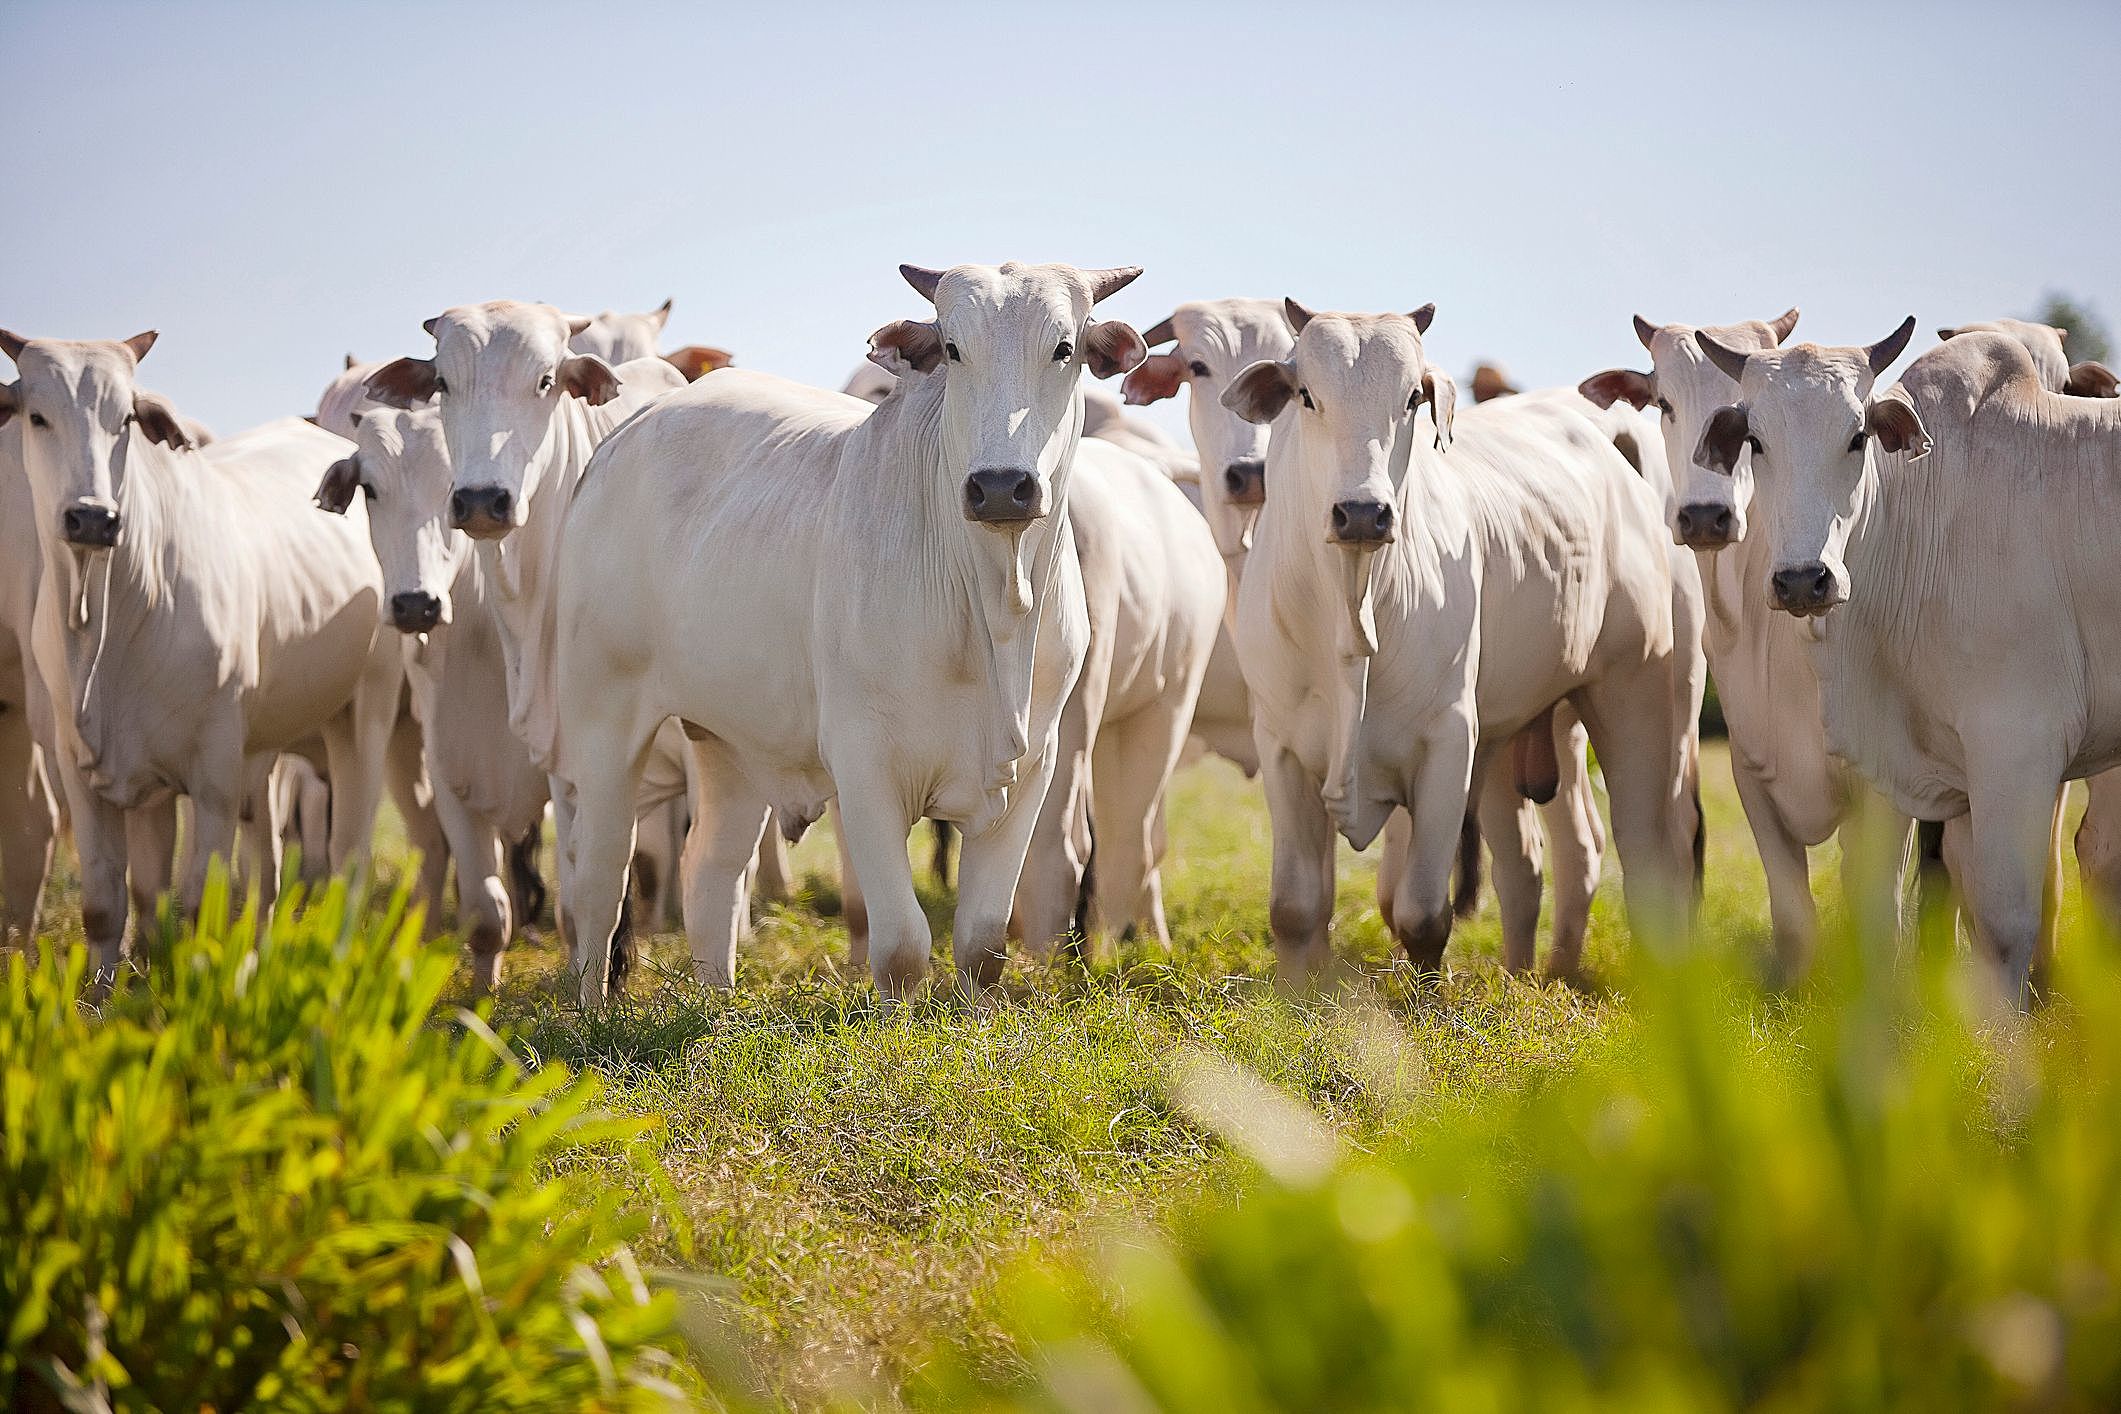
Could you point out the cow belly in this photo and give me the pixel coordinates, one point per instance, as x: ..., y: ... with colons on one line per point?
x: 305, y: 681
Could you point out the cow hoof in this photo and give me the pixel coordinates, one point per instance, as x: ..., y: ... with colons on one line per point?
x: 1426, y: 939
x: 485, y: 973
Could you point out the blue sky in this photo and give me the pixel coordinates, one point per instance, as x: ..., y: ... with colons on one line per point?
x: 275, y: 186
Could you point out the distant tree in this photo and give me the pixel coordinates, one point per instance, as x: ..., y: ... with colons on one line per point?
x: 2087, y: 331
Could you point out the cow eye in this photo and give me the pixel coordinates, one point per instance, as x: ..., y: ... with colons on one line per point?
x: 1063, y: 351
x: 368, y: 491
x: 1856, y: 442
x: 1664, y: 407
x: 1200, y: 370
x: 1414, y: 400
x: 440, y: 386
x: 545, y: 384
x: 36, y: 419
x: 1305, y: 394
x: 955, y: 356
x: 1754, y: 443
x: 129, y: 419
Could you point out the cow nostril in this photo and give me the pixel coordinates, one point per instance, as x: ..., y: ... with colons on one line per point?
x: 503, y: 503
x: 1340, y: 518
x: 1384, y: 519
x: 459, y: 507
x: 975, y: 494
x: 1025, y: 487
x: 1235, y: 480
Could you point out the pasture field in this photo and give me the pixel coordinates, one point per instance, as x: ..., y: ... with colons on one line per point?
x: 865, y: 1192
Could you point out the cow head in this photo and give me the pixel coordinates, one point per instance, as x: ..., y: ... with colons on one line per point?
x: 1352, y: 388
x: 1707, y: 509
x: 618, y: 338
x: 2089, y: 379
x: 1011, y: 342
x: 401, y: 466
x: 1809, y: 418
x: 83, y: 420
x: 1212, y: 341
x: 500, y: 371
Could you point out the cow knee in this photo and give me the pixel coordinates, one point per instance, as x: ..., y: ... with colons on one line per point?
x: 1296, y: 920
x: 1425, y: 938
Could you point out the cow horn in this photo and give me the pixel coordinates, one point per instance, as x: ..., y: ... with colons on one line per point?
x: 1780, y: 327
x: 12, y: 345
x: 429, y: 324
x: 1161, y: 333
x: 1424, y: 317
x: 1295, y: 313
x: 1106, y: 283
x: 922, y: 279
x: 1882, y: 353
x: 1731, y: 362
x: 140, y: 343
x: 1645, y: 331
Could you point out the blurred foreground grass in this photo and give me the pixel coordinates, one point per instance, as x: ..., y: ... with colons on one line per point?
x: 1029, y: 1203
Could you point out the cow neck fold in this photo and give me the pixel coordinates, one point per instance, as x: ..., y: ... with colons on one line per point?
x: 963, y: 573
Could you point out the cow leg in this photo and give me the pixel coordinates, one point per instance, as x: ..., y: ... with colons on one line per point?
x: 484, y: 913
x: 100, y: 842
x: 988, y: 867
x: 2099, y: 844
x: 1058, y: 853
x: 1392, y: 849
x: 729, y: 818
x: 1300, y: 882
x: 1510, y: 824
x: 773, y: 878
x: 599, y: 822
x: 2010, y: 831
x: 1793, y: 915
x: 215, y: 813
x: 149, y: 864
x: 1133, y: 765
x: 1642, y: 749
x: 1575, y: 847
x: 28, y: 821
x: 264, y: 810
x: 356, y: 748
x: 874, y: 821
x: 413, y: 790
x: 1421, y: 900
x: 854, y: 910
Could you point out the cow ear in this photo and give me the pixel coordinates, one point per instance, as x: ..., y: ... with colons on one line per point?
x: 158, y: 422
x: 1891, y: 418
x: 9, y: 400
x: 1724, y: 438
x: 1260, y: 392
x: 695, y: 360
x: 1946, y: 332
x: 589, y: 378
x: 341, y: 479
x: 906, y: 346
x: 1618, y: 385
x: 404, y: 382
x: 1296, y: 314
x: 1441, y: 394
x: 1158, y: 377
x: 1111, y: 347
x: 2092, y: 379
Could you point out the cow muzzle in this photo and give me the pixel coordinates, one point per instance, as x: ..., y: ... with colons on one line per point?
x: 1806, y: 590
x: 1705, y: 526
x: 1245, y: 482
x: 483, y: 512
x: 1004, y: 496
x: 91, y: 523
x: 1362, y: 522
x: 415, y: 611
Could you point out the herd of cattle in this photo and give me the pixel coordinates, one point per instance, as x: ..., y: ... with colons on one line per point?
x: 693, y: 607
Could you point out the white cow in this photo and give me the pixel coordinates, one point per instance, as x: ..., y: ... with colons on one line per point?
x: 521, y: 416
x: 1213, y: 341
x: 1949, y: 543
x: 1416, y: 596
x: 618, y: 338
x: 196, y: 617
x: 897, y: 610
x: 1153, y: 587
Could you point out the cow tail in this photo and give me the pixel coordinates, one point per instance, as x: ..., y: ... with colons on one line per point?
x: 941, y: 856
x: 1465, y: 902
x: 622, y: 945
x: 1932, y: 883
x: 1701, y: 844
x: 1086, y: 891
x: 523, y: 874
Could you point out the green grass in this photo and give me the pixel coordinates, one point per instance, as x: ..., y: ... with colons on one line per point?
x: 860, y: 1187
